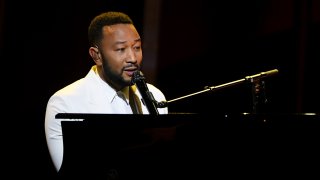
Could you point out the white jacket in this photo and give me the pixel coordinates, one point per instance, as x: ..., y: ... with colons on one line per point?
x: 87, y: 95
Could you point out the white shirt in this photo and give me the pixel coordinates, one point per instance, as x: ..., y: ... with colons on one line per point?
x: 87, y: 95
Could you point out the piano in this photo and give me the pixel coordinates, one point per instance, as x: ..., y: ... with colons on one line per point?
x: 188, y: 145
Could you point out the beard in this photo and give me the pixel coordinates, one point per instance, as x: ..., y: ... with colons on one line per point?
x: 112, y: 77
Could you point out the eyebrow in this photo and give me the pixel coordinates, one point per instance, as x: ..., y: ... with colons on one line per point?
x: 122, y: 42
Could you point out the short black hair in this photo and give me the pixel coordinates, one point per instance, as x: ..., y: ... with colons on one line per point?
x: 105, y: 19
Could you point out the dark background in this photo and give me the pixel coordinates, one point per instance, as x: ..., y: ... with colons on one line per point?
x: 201, y: 43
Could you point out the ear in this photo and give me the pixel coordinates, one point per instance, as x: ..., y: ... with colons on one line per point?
x: 95, y: 55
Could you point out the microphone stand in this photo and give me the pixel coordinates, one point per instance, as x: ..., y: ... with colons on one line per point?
x: 257, y: 88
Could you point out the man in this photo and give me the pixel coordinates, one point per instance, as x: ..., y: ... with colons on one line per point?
x: 117, y: 52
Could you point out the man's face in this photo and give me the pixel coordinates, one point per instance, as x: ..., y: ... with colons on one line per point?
x: 121, y: 54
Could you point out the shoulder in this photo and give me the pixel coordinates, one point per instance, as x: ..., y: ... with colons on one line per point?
x: 74, y: 91
x: 78, y: 87
x: 158, y: 96
x: 71, y: 89
x: 151, y: 87
x: 156, y: 92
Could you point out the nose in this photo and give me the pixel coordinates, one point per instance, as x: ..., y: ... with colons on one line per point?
x: 132, y: 56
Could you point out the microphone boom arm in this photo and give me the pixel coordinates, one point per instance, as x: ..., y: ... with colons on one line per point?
x: 252, y: 78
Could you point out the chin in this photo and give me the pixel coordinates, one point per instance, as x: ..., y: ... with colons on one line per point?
x: 127, y: 81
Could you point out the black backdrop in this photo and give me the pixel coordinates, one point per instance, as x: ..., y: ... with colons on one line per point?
x: 44, y: 47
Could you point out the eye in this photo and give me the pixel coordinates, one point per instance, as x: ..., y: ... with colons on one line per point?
x: 120, y: 49
x: 137, y: 48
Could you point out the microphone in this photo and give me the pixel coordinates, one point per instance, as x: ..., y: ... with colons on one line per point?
x: 147, y: 98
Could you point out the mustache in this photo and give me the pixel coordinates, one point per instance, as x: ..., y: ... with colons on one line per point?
x: 132, y: 67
